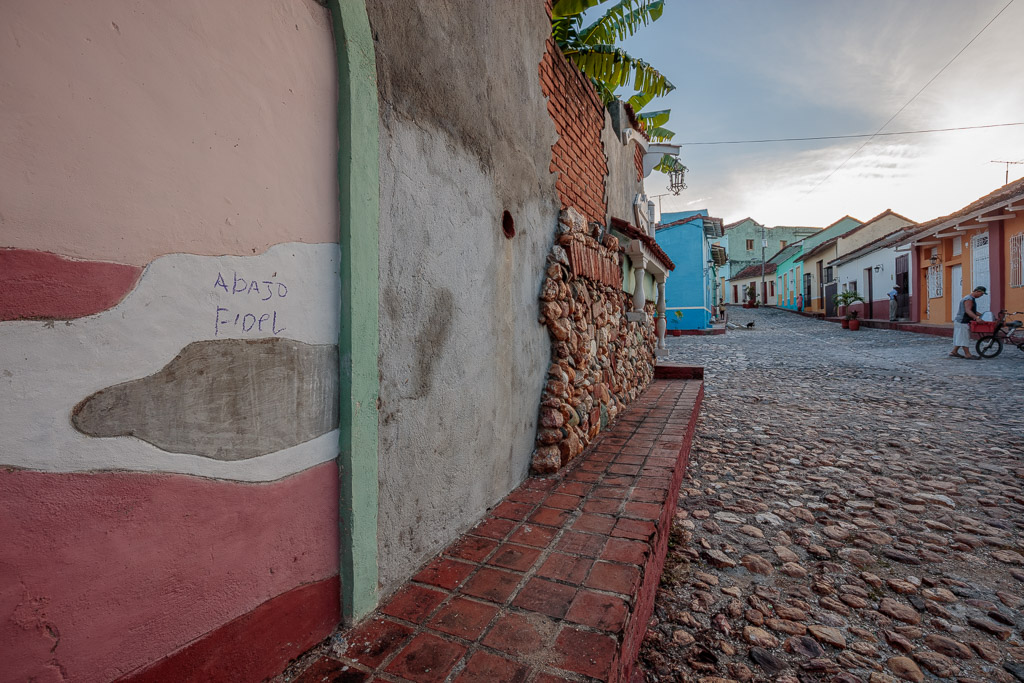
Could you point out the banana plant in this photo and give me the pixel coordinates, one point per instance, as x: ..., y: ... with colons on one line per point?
x: 670, y: 163
x: 592, y: 48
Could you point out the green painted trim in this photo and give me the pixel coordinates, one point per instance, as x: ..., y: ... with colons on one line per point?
x: 358, y: 342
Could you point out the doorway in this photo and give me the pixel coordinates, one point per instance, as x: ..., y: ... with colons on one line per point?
x: 956, y: 286
x: 869, y: 303
x: 903, y: 282
x: 830, y: 304
x: 980, y: 270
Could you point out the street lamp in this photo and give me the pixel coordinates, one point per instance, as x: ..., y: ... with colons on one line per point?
x: 676, y: 179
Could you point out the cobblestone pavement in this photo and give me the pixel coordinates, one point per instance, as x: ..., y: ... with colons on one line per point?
x: 854, y: 512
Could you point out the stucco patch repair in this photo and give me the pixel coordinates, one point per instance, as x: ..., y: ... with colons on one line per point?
x: 290, y: 292
x: 229, y: 399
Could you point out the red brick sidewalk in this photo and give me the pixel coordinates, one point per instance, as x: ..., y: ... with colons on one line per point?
x: 557, y: 583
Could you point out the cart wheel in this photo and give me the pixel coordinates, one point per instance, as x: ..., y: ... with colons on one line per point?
x: 989, y: 347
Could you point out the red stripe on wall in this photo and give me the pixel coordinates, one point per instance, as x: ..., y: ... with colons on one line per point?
x: 257, y: 645
x: 37, y: 284
x: 105, y: 573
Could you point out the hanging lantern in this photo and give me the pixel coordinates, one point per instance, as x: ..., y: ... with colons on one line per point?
x: 676, y: 178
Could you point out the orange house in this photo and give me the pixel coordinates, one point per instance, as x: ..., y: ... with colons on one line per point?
x: 979, y: 245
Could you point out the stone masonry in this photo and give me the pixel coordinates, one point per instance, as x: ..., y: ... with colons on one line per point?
x: 600, y: 361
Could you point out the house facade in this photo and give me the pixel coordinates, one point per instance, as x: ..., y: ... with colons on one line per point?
x: 791, y: 274
x: 877, y: 267
x: 981, y: 244
x: 744, y: 243
x: 724, y: 270
x: 819, y: 272
x: 692, y: 293
x: 740, y: 284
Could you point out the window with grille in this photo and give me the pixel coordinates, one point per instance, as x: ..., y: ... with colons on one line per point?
x: 828, y: 274
x: 935, y: 281
x: 1017, y: 260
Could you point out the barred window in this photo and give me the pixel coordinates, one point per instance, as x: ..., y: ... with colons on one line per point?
x: 1017, y: 260
x: 935, y: 281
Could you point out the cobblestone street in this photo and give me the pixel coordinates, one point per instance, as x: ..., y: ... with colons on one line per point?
x: 854, y: 511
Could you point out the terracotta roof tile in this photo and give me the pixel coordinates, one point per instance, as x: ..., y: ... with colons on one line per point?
x: 637, y: 234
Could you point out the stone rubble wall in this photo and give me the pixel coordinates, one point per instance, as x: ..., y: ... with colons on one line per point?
x: 600, y: 361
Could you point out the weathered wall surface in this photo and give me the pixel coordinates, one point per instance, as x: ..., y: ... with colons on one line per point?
x: 465, y: 136
x: 168, y: 345
x: 600, y: 361
x: 624, y: 181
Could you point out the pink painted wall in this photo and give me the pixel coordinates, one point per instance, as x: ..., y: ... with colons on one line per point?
x: 136, y: 129
x: 105, y: 573
x: 132, y: 129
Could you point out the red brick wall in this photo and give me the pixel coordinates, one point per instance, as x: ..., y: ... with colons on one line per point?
x: 578, y: 156
x: 638, y: 159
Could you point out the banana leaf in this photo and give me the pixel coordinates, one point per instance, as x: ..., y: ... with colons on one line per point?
x: 655, y: 118
x: 670, y: 163
x: 621, y: 21
x: 659, y: 134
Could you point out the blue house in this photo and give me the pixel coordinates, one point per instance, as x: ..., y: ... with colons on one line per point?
x: 693, y: 292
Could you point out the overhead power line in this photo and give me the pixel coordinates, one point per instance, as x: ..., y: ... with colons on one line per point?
x: 849, y: 137
x: 930, y: 81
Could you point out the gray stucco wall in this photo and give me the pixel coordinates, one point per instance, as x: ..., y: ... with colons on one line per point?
x: 621, y: 186
x: 465, y: 135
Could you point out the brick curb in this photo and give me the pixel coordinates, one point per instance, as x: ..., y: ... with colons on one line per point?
x: 557, y: 582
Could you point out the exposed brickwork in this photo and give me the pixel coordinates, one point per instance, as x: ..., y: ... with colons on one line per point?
x: 638, y: 159
x: 595, y: 263
x: 578, y: 156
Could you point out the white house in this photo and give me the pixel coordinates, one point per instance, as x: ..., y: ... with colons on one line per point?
x: 873, y: 269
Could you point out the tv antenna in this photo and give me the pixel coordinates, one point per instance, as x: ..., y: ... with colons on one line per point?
x: 1007, y: 181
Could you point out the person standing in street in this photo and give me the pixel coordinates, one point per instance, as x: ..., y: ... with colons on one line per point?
x: 967, y: 312
x: 893, y: 293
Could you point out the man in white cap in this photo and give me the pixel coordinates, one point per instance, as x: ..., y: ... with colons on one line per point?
x: 967, y: 312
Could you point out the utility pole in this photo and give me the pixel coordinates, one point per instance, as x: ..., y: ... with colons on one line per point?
x: 1007, y: 181
x: 764, y: 244
x: 658, y: 197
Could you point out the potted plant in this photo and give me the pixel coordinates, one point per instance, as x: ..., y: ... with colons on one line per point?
x: 851, y: 321
x: 844, y: 300
x: 751, y: 296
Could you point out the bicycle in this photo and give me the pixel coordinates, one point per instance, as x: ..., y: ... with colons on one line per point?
x: 997, y: 333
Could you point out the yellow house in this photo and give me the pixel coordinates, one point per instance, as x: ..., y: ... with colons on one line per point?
x: 979, y: 245
x: 818, y: 275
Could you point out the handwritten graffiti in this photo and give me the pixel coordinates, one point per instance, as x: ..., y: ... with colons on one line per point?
x: 250, y: 292
x: 239, y: 285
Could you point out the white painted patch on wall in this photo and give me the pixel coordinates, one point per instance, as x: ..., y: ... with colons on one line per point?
x: 46, y: 367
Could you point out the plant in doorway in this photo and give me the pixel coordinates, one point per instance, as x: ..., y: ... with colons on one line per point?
x: 843, y: 301
x: 751, y: 301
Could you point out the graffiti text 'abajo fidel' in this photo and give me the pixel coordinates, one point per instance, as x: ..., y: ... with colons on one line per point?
x: 245, y: 293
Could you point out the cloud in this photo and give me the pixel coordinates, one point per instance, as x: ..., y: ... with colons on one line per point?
x: 843, y: 68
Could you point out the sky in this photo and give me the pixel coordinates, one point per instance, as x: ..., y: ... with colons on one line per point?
x: 753, y: 69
